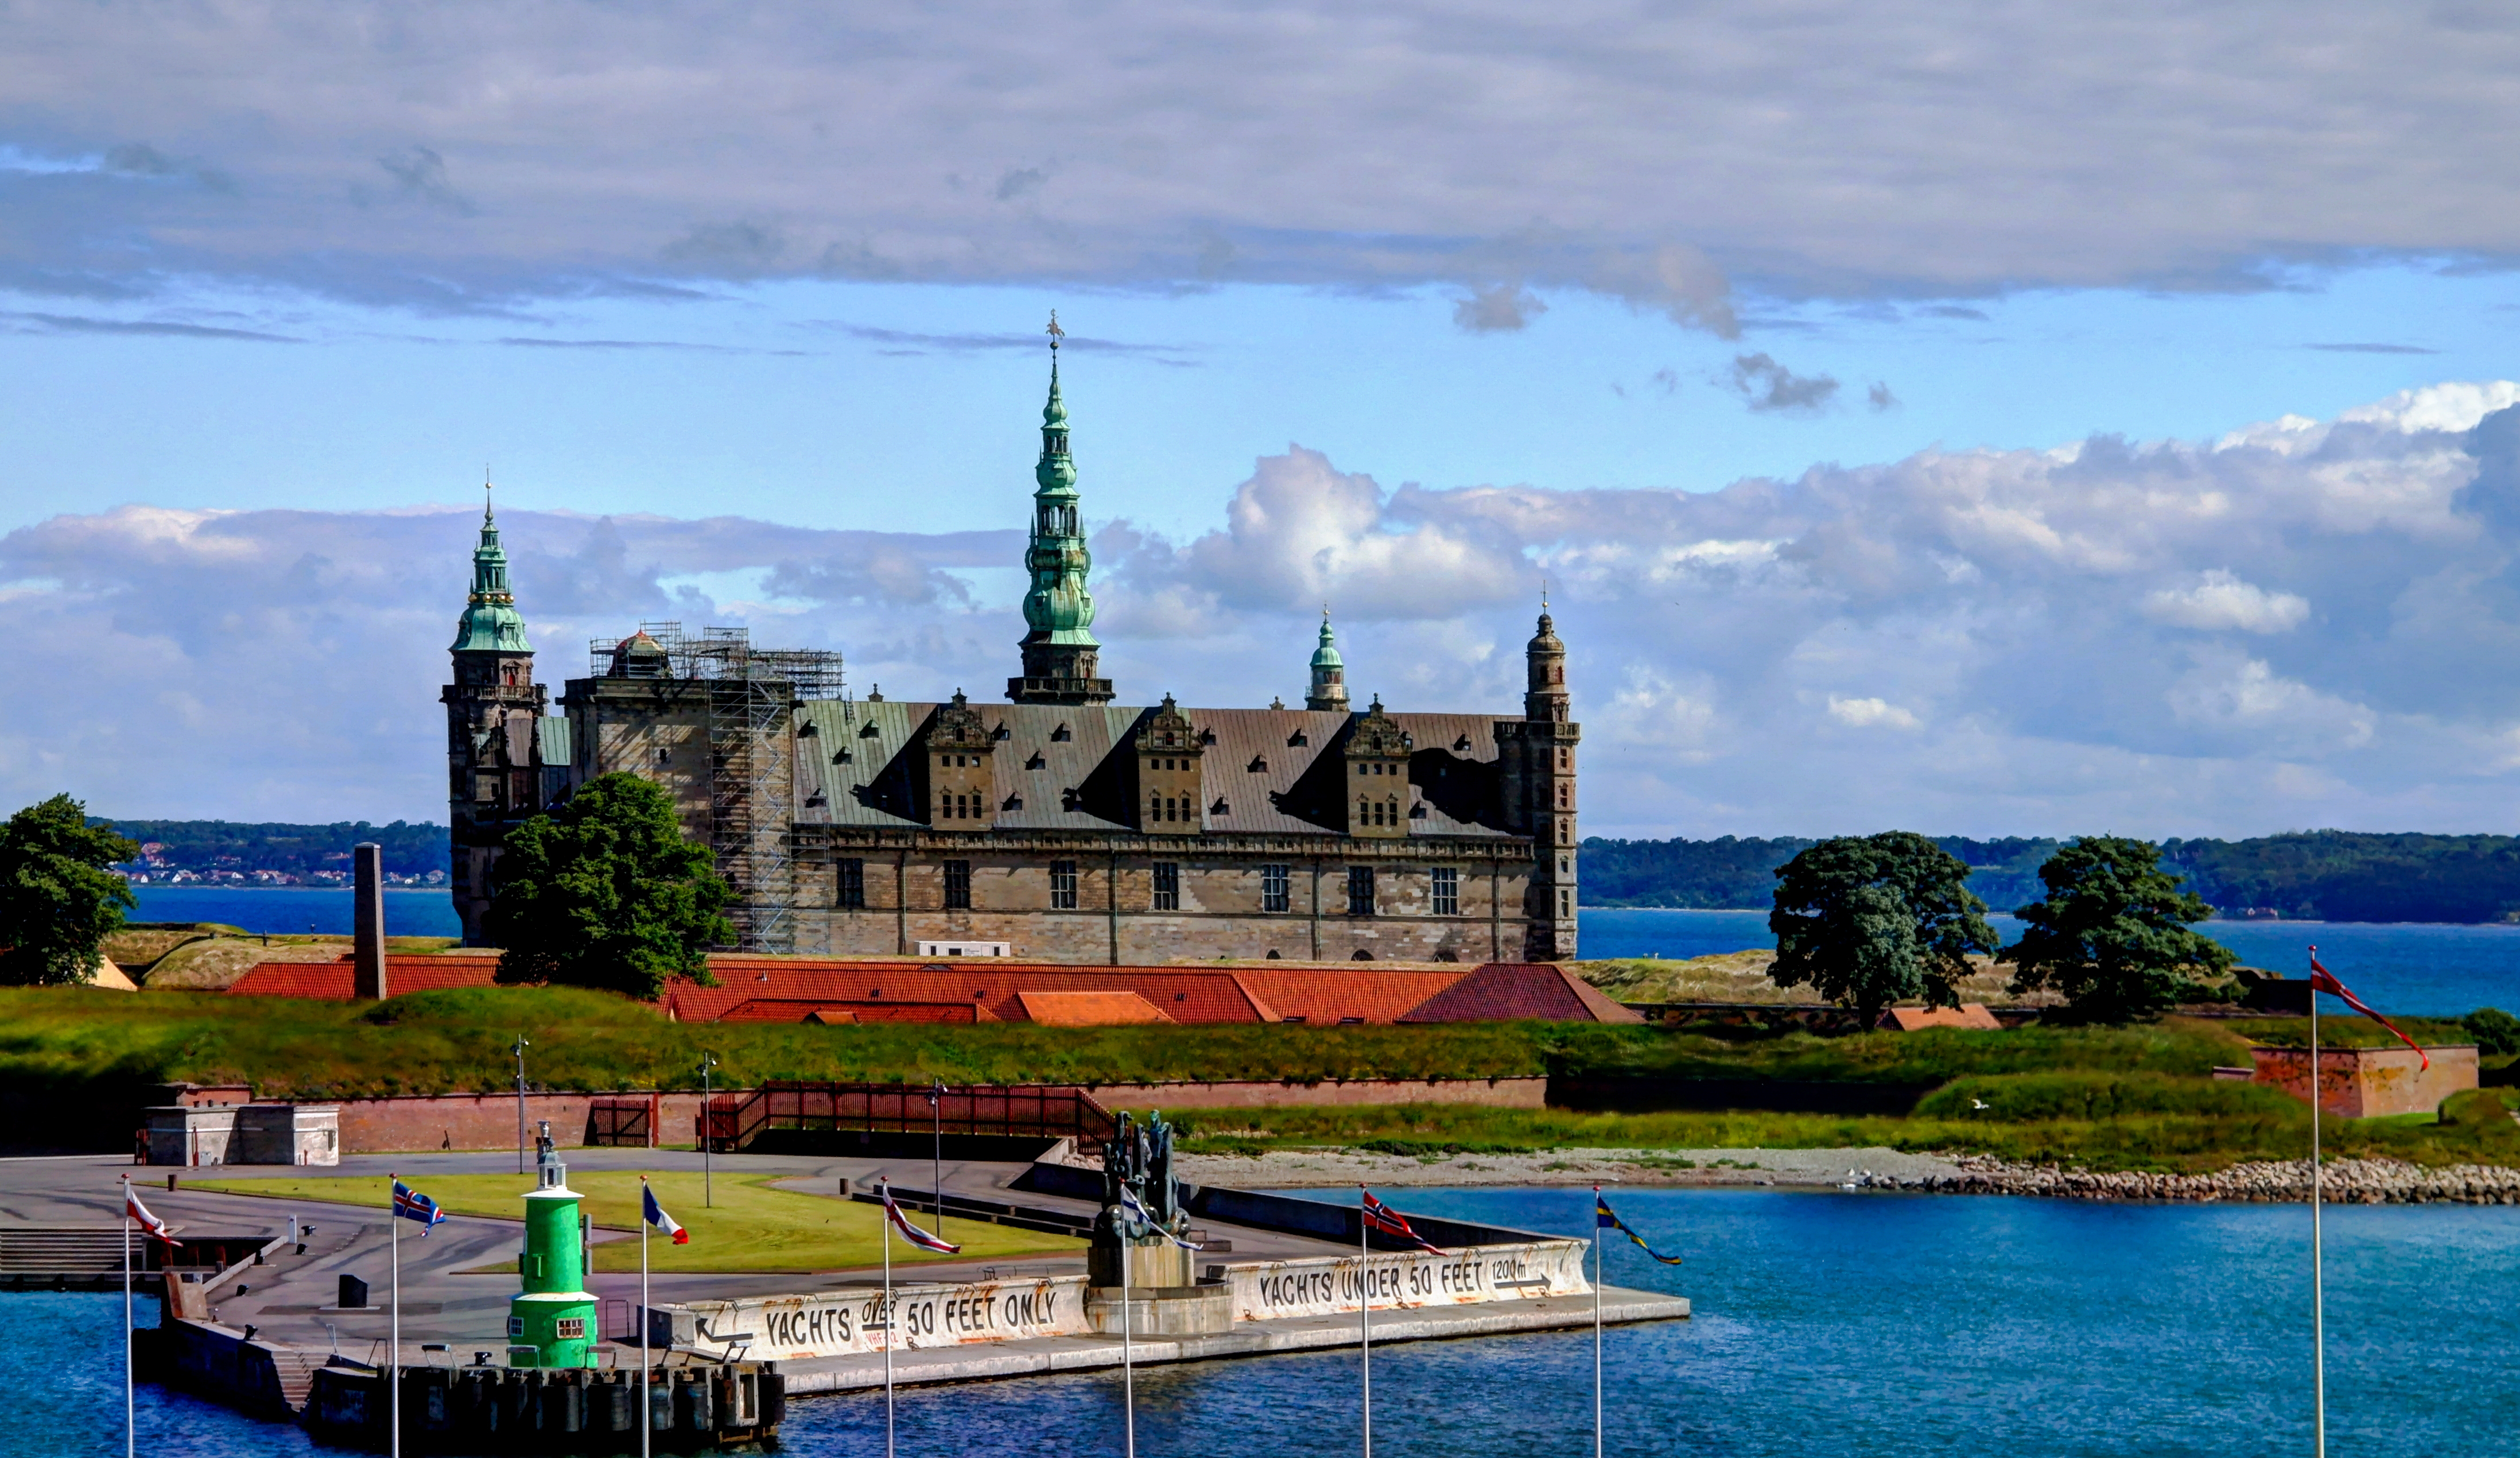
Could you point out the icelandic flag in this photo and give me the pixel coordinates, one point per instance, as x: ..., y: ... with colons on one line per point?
x: 139, y: 1216
x: 655, y: 1215
x: 1138, y: 1212
x: 911, y: 1233
x: 1603, y: 1219
x: 2323, y: 980
x: 410, y: 1205
x: 1383, y: 1218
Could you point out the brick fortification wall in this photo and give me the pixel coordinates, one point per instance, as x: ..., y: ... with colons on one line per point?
x: 489, y: 1121
x: 2370, y: 1082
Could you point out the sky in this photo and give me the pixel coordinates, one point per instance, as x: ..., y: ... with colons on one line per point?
x: 1971, y: 419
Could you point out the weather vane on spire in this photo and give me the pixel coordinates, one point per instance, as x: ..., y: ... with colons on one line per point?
x: 485, y: 491
x: 1055, y: 333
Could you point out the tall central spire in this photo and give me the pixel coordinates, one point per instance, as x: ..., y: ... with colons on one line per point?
x: 491, y: 623
x: 1059, y: 652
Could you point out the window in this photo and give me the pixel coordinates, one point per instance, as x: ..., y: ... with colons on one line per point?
x: 1273, y: 888
x: 570, y: 1329
x: 1360, y: 890
x: 851, y: 891
x: 1566, y: 903
x: 1448, y: 891
x: 1563, y: 758
x: 957, y: 886
x: 1168, y: 885
x: 1063, y: 885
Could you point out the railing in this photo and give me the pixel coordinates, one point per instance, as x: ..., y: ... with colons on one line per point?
x: 731, y: 1121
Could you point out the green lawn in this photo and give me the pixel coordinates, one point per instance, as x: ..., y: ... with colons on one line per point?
x: 753, y: 1227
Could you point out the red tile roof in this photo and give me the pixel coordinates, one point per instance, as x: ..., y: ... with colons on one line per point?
x: 1505, y: 991
x: 1320, y: 995
x: 1087, y: 1009
x: 335, y: 981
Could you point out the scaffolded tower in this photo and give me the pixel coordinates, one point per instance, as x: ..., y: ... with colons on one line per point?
x: 748, y: 695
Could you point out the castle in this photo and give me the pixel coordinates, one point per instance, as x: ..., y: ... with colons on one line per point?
x: 1058, y: 826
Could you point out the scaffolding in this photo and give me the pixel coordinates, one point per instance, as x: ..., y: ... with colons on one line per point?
x: 751, y: 692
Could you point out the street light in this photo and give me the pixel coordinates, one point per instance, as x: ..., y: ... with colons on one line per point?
x: 936, y: 1161
x: 520, y: 1050
x: 708, y: 1132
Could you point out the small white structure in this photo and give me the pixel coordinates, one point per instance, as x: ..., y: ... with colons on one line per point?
x: 194, y: 1135
x: 966, y: 949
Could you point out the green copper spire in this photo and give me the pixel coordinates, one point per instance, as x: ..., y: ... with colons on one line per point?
x: 490, y: 622
x: 1329, y: 673
x: 1059, y: 649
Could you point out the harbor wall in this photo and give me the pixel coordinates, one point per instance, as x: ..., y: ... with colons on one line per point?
x: 1398, y: 1280
x: 831, y: 1324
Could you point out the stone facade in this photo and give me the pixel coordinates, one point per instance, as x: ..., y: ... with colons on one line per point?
x: 1065, y: 825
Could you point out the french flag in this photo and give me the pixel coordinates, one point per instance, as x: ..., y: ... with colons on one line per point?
x: 657, y: 1216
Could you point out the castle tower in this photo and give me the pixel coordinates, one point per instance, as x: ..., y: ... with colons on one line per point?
x: 550, y: 1322
x: 493, y: 744
x: 1537, y: 780
x: 1059, y: 652
x: 1329, y: 688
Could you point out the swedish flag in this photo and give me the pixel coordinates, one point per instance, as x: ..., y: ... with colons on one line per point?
x: 1604, y: 1218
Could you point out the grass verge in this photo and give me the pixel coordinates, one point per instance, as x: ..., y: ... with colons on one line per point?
x: 753, y: 1227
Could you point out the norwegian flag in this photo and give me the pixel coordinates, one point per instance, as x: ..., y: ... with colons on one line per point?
x: 655, y: 1215
x: 1383, y: 1218
x: 139, y: 1216
x: 911, y: 1233
x: 2323, y: 980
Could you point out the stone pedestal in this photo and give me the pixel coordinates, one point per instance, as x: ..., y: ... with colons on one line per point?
x: 1149, y: 1267
x: 1162, y: 1311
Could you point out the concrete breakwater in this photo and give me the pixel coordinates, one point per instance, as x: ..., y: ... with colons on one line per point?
x: 2343, y: 1183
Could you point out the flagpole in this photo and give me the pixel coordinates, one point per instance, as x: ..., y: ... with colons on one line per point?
x: 394, y: 1345
x: 1364, y: 1316
x: 1596, y: 1321
x: 887, y: 1323
x: 647, y: 1406
x: 130, y: 1421
x: 2317, y: 1245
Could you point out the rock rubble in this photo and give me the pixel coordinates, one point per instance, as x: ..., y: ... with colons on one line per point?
x: 2342, y: 1182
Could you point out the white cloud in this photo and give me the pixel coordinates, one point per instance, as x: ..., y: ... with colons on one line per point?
x: 2220, y: 600
x: 1986, y: 641
x: 1866, y: 713
x: 468, y: 153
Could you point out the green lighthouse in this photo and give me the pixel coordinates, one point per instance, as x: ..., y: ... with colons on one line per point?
x: 1059, y: 652
x: 552, y: 1322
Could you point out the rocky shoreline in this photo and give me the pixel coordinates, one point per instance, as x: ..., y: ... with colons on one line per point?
x: 2342, y: 1182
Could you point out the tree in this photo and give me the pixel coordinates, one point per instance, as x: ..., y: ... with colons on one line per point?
x: 607, y: 893
x: 2496, y: 1032
x: 2112, y: 934
x: 58, y: 899
x: 1871, y: 920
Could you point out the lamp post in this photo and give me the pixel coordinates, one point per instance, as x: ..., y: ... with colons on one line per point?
x: 708, y: 1132
x: 937, y: 1159
x: 519, y: 1050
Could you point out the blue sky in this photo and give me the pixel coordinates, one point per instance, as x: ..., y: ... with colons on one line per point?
x: 1971, y: 419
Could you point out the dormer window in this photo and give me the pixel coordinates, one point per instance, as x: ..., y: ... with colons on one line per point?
x: 1011, y: 803
x: 1002, y: 731
x: 1296, y: 740
x: 841, y: 757
x: 870, y: 731
x: 807, y: 730
x: 1462, y: 746
x: 1257, y: 767
x: 1219, y: 808
x: 1207, y: 736
x: 1060, y: 735
x: 1036, y: 761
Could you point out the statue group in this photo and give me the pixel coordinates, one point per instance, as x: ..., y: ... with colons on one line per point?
x: 1139, y: 1159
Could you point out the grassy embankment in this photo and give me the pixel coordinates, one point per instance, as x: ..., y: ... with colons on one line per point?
x: 753, y: 1227
x: 2141, y: 1097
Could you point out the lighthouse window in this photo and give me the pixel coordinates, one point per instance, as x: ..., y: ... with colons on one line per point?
x: 570, y: 1329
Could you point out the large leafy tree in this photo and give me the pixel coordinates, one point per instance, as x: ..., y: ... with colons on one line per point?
x: 2112, y: 934
x: 1873, y: 920
x: 58, y: 899
x: 606, y: 893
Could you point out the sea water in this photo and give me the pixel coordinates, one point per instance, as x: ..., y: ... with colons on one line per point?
x: 1825, y: 1324
x: 2405, y: 968
x: 2400, y: 967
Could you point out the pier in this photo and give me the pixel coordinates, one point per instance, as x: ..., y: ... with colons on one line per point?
x: 267, y: 1332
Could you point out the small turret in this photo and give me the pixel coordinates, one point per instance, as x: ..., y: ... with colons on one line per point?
x: 552, y: 1323
x: 1328, y: 690
x: 1545, y: 698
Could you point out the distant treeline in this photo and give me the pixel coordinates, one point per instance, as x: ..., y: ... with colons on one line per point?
x: 2323, y: 875
x: 296, y: 850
